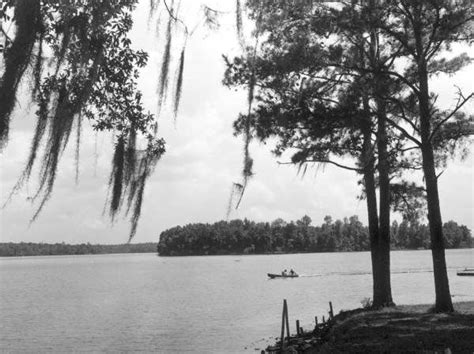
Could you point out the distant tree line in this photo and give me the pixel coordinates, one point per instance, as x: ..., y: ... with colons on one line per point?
x: 249, y: 237
x: 48, y: 249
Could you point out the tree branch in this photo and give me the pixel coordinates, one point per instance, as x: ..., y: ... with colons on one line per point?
x: 433, y: 33
x: 404, y: 132
x: 359, y: 170
x: 458, y: 107
x: 439, y: 174
x: 409, y: 148
x: 176, y: 19
x: 402, y: 110
x: 5, y: 34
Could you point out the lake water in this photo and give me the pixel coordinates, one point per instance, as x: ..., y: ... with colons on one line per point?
x: 141, y: 302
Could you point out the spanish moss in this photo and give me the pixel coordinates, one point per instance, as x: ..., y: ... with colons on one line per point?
x: 78, y: 145
x: 58, y: 133
x: 91, y: 74
x: 165, y: 62
x: 17, y: 59
x: 116, y: 176
x: 238, y: 20
x: 153, y: 6
x: 247, y: 170
x: 235, y: 191
x: 136, y: 194
x: 179, y: 83
x: 130, y: 171
x: 38, y: 68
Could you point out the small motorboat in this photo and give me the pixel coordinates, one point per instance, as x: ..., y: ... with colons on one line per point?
x: 466, y: 272
x: 273, y: 276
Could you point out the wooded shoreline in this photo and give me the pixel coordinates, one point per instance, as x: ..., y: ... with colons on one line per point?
x: 281, y: 237
x: 41, y: 249
x: 12, y: 249
x: 246, y: 237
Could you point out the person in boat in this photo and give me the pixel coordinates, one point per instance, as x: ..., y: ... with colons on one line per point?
x: 292, y: 272
x: 284, y: 273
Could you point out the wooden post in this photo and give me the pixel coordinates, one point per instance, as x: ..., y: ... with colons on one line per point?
x: 324, y: 320
x: 298, y: 328
x: 331, y: 313
x: 284, y: 322
x: 283, y: 315
x: 316, y: 321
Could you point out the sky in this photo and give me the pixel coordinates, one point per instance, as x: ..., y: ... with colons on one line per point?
x: 193, y: 180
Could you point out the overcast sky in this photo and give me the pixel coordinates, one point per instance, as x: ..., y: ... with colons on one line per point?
x: 192, y: 182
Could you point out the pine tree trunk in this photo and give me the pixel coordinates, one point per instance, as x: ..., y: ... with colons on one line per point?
x: 443, y: 295
x: 383, y: 296
x: 383, y: 246
x: 373, y: 220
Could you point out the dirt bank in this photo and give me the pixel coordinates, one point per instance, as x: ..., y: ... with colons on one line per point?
x: 411, y: 328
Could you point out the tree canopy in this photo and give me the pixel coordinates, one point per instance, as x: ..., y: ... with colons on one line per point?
x: 351, y: 79
x: 249, y: 237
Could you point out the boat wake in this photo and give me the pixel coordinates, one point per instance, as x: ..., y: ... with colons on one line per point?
x: 365, y: 273
x: 396, y: 271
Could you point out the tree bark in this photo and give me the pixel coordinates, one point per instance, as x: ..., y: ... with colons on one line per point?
x: 383, y: 246
x: 383, y: 297
x: 379, y: 284
x: 443, y: 295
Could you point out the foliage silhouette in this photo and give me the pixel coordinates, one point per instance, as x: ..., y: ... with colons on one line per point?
x: 249, y: 237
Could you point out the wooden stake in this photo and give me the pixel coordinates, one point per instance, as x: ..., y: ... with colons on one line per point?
x: 298, y: 328
x: 331, y: 313
x: 316, y: 320
x: 283, y: 325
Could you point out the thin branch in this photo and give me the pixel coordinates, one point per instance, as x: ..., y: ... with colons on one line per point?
x: 386, y: 72
x: 404, y: 132
x: 6, y: 35
x: 433, y: 33
x: 458, y: 107
x: 403, y: 79
x: 409, y: 148
x: 439, y: 174
x: 399, y: 38
x: 402, y: 110
x: 360, y: 170
x: 176, y: 19
x: 392, y: 57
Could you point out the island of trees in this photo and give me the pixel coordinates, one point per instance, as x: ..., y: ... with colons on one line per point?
x: 249, y: 237
x: 11, y: 249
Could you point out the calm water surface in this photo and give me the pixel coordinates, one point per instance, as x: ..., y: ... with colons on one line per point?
x: 141, y: 302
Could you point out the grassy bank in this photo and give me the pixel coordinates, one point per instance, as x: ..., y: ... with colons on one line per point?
x: 409, y: 328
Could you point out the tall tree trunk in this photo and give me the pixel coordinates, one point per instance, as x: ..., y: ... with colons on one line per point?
x: 384, y: 295
x: 367, y: 162
x: 443, y: 295
x: 383, y: 245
